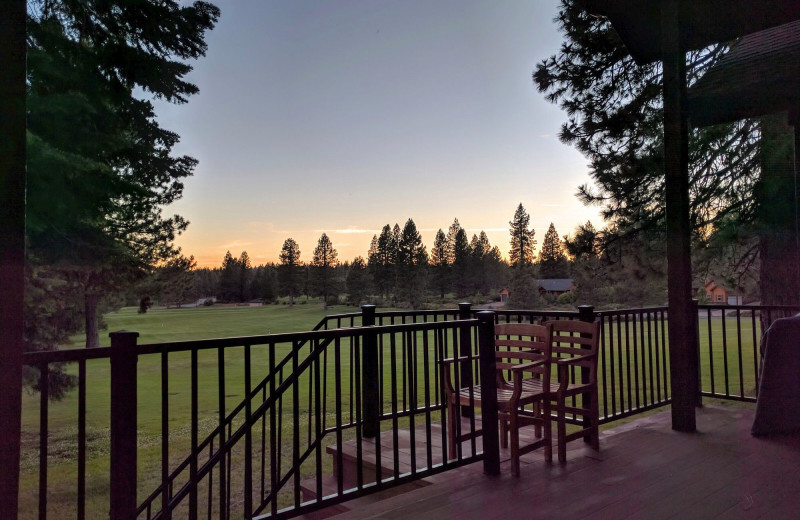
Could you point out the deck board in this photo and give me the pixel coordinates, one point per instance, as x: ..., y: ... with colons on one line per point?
x: 644, y: 470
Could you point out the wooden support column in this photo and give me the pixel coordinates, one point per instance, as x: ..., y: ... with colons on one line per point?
x: 489, y: 414
x: 370, y: 376
x: 682, y: 344
x: 12, y: 247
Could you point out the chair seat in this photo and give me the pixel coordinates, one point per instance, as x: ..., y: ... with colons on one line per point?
x: 530, y: 393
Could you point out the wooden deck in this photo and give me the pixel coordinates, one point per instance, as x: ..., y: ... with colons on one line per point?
x: 644, y: 470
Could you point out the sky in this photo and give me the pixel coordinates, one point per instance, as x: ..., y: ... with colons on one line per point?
x: 342, y: 116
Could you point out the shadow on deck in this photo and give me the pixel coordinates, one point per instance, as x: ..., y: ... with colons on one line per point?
x: 644, y: 470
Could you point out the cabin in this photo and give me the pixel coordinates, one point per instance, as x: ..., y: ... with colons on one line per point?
x: 555, y: 287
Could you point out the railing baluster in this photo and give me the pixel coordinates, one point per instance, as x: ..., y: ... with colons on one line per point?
x: 166, y: 512
x: 221, y: 414
x: 273, y: 438
x: 248, y: 437
x: 194, y: 436
x: 740, y: 352
x: 44, y: 393
x: 296, y: 428
x: 82, y: 439
x: 725, y: 353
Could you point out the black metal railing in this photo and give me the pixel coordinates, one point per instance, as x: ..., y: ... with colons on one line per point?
x: 240, y: 427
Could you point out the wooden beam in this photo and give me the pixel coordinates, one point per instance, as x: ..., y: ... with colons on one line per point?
x: 682, y: 341
x: 12, y: 246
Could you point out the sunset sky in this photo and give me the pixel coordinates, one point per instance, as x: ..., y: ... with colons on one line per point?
x: 342, y: 116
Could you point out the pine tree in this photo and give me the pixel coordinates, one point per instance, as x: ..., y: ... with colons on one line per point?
x: 552, y: 260
x: 323, y: 264
x: 229, y: 279
x: 357, y: 281
x: 522, y: 242
x: 412, y: 261
x: 100, y: 168
x: 289, y: 272
x: 481, y: 248
x: 615, y: 118
x: 452, y: 231
x: 440, y: 263
x: 243, y: 285
x: 175, y: 280
x: 382, y: 261
x: 462, y: 260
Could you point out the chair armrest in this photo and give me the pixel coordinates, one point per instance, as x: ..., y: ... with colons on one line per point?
x: 522, y: 367
x: 564, y: 364
x: 575, y: 360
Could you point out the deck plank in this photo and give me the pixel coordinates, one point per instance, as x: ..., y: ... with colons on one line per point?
x: 644, y: 470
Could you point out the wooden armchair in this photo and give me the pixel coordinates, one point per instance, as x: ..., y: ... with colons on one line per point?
x: 574, y: 351
x: 523, y: 390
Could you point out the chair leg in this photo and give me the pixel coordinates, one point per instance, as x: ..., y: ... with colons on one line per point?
x: 503, y: 433
x: 514, y: 427
x: 548, y: 432
x: 562, y: 432
x: 595, y: 418
x: 452, y: 419
x: 537, y: 412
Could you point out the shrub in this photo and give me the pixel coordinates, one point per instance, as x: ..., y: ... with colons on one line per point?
x: 567, y: 298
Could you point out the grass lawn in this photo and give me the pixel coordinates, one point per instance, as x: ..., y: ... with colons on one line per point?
x: 157, y: 325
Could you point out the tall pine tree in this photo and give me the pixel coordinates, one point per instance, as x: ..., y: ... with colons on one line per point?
x: 552, y: 260
x: 100, y: 168
x: 522, y: 242
x: 290, y: 269
x: 323, y: 264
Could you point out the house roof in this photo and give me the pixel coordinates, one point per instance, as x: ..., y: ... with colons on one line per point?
x: 555, y: 284
x: 760, y: 75
x: 638, y: 22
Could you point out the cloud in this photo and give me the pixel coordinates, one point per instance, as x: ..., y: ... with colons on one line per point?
x: 235, y: 244
x: 351, y: 231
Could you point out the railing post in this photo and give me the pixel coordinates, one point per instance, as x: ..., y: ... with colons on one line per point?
x: 586, y: 314
x: 123, y: 425
x: 370, y: 375
x: 465, y: 350
x: 696, y: 314
x: 491, y: 435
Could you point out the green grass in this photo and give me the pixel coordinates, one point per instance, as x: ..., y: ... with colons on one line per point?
x: 157, y: 325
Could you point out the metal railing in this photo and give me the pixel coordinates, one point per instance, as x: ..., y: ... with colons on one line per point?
x: 241, y: 427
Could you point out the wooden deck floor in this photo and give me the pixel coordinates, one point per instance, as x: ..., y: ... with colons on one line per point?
x: 643, y: 471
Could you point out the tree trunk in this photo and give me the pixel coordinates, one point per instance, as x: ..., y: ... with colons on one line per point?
x: 779, y: 277
x: 90, y: 314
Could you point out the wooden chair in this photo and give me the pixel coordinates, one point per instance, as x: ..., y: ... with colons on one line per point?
x: 574, y: 351
x: 522, y: 349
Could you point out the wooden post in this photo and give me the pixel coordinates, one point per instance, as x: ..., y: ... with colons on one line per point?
x: 696, y: 314
x: 123, y: 425
x: 465, y: 350
x: 682, y: 344
x: 370, y: 375
x: 586, y: 314
x: 489, y: 416
x: 12, y: 247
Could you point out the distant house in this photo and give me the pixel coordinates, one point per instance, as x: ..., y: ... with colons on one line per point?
x: 720, y: 294
x: 555, y: 286
x: 504, y: 296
